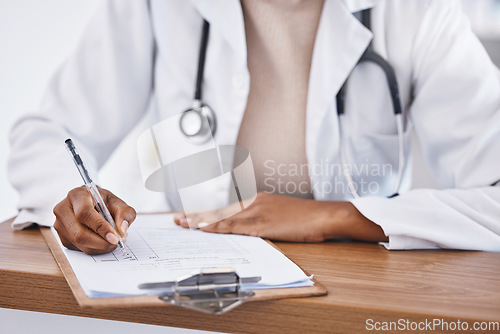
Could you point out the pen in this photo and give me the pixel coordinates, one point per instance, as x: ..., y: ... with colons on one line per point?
x: 92, y: 188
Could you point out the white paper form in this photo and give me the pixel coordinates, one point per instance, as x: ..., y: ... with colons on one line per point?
x: 161, y: 251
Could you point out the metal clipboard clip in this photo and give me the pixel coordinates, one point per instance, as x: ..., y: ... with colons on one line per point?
x: 212, y: 291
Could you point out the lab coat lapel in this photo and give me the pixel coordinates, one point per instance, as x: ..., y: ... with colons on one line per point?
x: 340, y: 42
x: 226, y: 17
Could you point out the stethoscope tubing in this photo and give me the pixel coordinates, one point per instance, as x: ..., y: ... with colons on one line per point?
x: 198, y: 93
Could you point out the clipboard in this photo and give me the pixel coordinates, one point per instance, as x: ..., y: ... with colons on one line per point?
x: 153, y: 300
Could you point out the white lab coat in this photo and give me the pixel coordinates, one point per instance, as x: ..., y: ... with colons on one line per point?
x: 449, y: 88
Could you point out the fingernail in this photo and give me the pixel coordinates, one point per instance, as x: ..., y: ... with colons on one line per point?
x: 112, y: 238
x: 203, y: 224
x: 189, y: 220
x: 125, y: 226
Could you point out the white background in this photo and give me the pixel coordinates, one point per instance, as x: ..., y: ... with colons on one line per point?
x: 35, y: 38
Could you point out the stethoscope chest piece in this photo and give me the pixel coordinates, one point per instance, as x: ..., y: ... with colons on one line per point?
x: 198, y: 123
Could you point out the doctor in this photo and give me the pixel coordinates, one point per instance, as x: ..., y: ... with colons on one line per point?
x: 272, y: 73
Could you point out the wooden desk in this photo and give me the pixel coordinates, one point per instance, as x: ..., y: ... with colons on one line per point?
x: 364, y: 281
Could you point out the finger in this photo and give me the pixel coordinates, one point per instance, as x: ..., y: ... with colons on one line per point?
x: 228, y: 211
x: 89, y: 251
x: 63, y: 213
x: 226, y: 225
x: 63, y: 235
x: 81, y: 235
x: 183, y: 221
x: 93, y: 251
x: 82, y: 242
x: 193, y: 218
x: 83, y: 238
x: 201, y: 219
x: 123, y: 214
x: 86, y: 214
x: 178, y: 217
x: 187, y: 223
x: 233, y: 225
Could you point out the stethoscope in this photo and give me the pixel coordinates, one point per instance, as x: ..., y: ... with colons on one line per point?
x: 199, y: 123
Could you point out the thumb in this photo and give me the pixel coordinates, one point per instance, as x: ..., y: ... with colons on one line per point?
x: 123, y: 214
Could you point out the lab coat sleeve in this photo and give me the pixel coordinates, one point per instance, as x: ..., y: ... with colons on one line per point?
x: 96, y: 98
x: 456, y: 115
